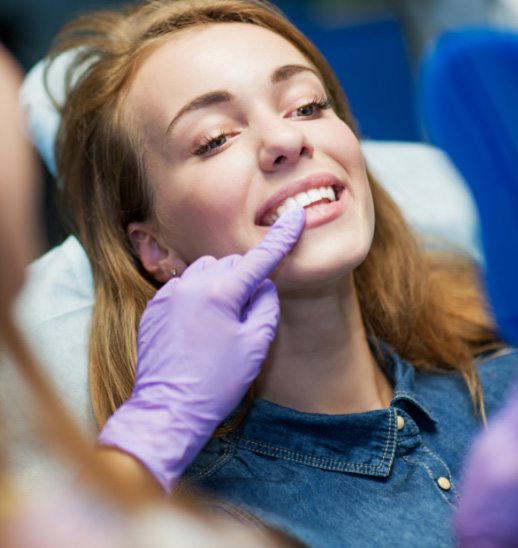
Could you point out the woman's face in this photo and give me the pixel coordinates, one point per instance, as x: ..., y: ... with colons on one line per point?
x: 235, y: 124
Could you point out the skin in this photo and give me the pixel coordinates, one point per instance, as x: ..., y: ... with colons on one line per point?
x: 19, y: 243
x: 207, y: 199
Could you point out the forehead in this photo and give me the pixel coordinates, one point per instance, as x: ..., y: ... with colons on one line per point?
x: 212, y: 56
x: 217, y: 44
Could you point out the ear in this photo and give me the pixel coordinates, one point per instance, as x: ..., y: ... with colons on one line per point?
x: 156, y: 258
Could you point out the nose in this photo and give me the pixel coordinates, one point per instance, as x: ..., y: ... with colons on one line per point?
x: 283, y: 144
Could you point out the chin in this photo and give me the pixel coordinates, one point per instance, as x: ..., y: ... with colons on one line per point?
x: 297, y: 274
x: 324, y: 261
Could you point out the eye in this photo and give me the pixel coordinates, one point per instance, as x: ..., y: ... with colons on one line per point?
x: 312, y: 109
x: 211, y: 143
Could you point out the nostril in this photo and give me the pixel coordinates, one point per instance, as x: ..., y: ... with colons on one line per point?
x: 279, y: 160
x: 306, y: 151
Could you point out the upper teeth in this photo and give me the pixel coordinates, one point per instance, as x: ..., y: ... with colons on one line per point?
x: 302, y: 199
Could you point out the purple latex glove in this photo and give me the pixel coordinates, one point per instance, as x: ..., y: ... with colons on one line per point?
x: 202, y: 340
x: 487, y: 514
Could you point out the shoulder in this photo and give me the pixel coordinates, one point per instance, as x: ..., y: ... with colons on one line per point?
x: 502, y: 361
x: 498, y: 374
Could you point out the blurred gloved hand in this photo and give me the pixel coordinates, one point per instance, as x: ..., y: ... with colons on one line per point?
x: 486, y: 516
x: 201, y: 342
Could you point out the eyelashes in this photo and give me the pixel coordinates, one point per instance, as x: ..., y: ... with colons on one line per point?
x: 316, y: 105
x: 209, y: 143
x: 310, y: 109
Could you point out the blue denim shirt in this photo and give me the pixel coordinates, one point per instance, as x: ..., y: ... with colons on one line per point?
x: 382, y: 478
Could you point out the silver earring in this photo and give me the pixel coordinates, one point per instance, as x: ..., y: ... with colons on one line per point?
x: 174, y: 273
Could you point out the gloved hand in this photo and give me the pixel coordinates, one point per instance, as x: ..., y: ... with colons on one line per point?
x: 201, y: 342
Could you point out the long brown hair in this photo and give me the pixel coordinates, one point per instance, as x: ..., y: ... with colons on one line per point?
x: 427, y: 308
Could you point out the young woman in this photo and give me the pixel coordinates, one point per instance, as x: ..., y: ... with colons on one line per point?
x: 195, y: 125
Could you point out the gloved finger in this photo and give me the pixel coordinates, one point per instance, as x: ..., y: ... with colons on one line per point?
x: 264, y: 258
x: 198, y: 266
x: 263, y: 312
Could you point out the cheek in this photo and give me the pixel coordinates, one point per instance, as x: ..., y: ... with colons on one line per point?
x: 345, y: 149
x: 343, y: 146
x: 199, y: 206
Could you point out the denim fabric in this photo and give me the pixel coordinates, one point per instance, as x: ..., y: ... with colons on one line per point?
x: 356, y: 480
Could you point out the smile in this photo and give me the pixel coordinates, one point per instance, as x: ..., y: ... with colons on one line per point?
x: 322, y: 195
x: 313, y: 193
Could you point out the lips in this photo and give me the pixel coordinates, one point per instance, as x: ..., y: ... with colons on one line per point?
x: 320, y: 188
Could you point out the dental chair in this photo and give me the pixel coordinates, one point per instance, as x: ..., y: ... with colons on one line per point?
x: 469, y: 90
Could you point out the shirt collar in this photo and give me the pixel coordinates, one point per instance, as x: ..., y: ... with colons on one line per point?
x: 361, y: 443
x: 402, y: 376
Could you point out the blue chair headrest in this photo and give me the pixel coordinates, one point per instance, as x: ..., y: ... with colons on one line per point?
x: 470, y: 105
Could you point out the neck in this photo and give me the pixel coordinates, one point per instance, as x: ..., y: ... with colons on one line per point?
x: 320, y: 361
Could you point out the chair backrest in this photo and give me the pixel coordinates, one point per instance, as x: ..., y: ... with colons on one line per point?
x: 469, y: 90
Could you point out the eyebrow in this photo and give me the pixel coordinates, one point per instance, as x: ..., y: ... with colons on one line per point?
x: 285, y: 72
x: 218, y: 97
x: 203, y: 101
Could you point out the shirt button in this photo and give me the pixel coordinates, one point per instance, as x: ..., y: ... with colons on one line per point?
x: 400, y: 422
x: 444, y: 483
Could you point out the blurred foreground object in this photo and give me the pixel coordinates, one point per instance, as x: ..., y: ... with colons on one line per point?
x: 17, y: 185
